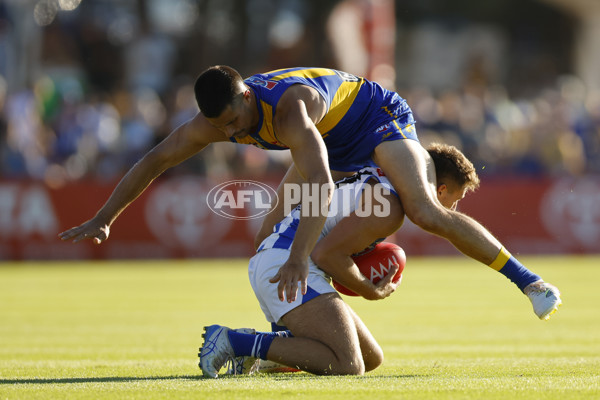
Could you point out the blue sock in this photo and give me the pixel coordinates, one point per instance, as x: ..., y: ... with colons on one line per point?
x: 277, y: 328
x: 248, y: 344
x: 278, y: 333
x: 510, y: 267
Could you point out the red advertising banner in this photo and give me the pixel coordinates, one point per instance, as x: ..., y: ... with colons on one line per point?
x: 528, y: 215
x: 173, y: 220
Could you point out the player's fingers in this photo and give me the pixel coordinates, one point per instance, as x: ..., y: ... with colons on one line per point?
x: 391, y: 273
x: 78, y: 237
x: 386, y: 280
x: 304, y: 285
x: 280, y: 286
x: 288, y: 292
x: 275, y: 278
x: 281, y: 290
x: 101, y: 237
x: 291, y: 291
x: 66, y: 235
x: 84, y: 235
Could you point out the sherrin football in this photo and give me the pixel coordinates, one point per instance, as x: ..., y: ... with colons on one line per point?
x: 376, y: 263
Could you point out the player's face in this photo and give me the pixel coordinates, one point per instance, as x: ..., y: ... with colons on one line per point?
x: 237, y: 119
x: 450, y: 194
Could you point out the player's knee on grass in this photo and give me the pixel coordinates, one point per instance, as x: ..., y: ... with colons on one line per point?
x: 373, y: 358
x: 332, y: 346
x: 351, y: 369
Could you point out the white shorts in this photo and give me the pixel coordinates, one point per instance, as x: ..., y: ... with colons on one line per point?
x: 264, y: 265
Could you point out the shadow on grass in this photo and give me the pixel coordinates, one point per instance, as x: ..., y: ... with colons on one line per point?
x: 99, y: 379
x: 103, y: 379
x: 307, y: 376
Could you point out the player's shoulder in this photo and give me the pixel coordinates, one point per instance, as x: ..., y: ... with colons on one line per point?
x: 300, y: 95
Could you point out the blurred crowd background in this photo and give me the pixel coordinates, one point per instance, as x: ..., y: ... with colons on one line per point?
x: 88, y: 86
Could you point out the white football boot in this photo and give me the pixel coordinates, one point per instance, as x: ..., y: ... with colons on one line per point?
x: 243, y: 365
x: 215, y: 351
x: 544, y: 297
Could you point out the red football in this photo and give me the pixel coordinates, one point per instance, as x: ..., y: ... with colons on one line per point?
x: 376, y: 263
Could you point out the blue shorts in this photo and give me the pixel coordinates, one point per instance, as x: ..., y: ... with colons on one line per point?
x: 351, y: 152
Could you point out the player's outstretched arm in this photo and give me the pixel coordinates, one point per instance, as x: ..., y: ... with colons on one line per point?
x: 298, y: 110
x: 182, y: 143
x: 352, y: 235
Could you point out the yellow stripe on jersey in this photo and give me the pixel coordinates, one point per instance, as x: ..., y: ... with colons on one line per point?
x: 343, y: 98
x: 500, y: 260
x: 341, y: 103
x: 307, y: 73
x: 399, y: 129
x: 267, y: 133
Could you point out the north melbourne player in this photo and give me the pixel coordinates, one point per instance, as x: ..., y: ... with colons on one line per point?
x: 325, y: 336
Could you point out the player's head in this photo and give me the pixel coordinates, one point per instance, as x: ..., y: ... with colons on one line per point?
x: 455, y: 174
x: 225, y: 100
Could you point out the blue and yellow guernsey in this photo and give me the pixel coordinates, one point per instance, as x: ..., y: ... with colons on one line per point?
x: 360, y: 113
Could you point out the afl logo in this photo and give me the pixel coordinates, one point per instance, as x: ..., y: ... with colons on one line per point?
x: 242, y: 199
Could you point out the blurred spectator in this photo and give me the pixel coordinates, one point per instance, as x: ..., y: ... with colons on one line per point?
x: 111, y: 84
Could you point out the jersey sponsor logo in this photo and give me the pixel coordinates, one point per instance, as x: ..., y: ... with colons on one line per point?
x: 262, y: 82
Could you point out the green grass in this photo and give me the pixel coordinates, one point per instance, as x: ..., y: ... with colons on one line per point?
x: 454, y: 330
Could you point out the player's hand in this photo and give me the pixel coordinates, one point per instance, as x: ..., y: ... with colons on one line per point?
x: 288, y: 277
x: 92, y: 229
x: 385, y: 287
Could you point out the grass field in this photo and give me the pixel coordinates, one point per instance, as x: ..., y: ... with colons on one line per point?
x: 454, y: 330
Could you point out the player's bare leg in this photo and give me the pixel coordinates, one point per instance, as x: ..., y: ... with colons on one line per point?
x: 411, y: 171
x: 372, y: 353
x: 325, y: 339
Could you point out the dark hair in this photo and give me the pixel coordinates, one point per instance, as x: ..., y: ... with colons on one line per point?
x: 451, y: 164
x: 215, y: 89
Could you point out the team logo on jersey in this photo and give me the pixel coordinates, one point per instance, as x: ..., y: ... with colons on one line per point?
x: 382, y: 128
x: 261, y: 82
x: 347, y: 77
x: 242, y: 199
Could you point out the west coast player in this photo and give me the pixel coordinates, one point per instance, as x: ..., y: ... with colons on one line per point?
x: 333, y: 123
